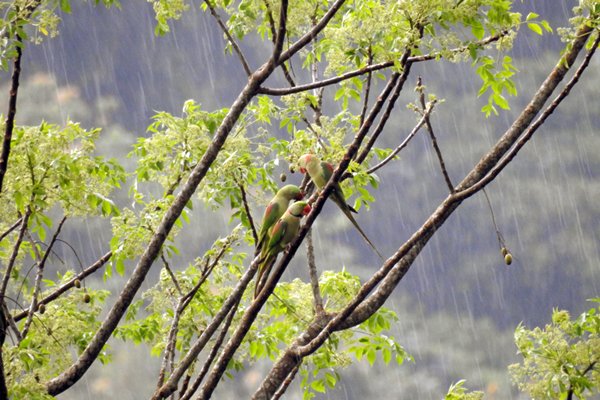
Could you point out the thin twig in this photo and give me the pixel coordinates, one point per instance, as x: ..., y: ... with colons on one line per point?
x: 363, y: 112
x: 15, y: 252
x: 404, y: 142
x: 171, y: 274
x: 12, y: 110
x: 70, y: 284
x: 38, y: 279
x: 230, y: 37
x: 498, y: 234
x: 421, y: 90
x: 11, y: 228
x: 314, y: 277
x: 247, y: 211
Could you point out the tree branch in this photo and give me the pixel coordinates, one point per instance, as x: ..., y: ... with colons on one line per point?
x: 38, y: 279
x: 247, y: 211
x: 438, y: 152
x: 230, y: 38
x: 307, y: 37
x: 314, y: 276
x: 12, y: 110
x: 13, y: 256
x: 171, y: 385
x: 70, y: 284
x: 370, y: 68
x: 404, y: 142
x: 280, y: 32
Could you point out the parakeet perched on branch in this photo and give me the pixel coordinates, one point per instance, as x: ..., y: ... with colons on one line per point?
x: 280, y: 235
x: 275, y: 210
x: 320, y: 172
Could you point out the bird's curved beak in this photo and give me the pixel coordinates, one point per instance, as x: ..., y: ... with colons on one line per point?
x: 306, y: 209
x: 302, y: 170
x: 300, y: 196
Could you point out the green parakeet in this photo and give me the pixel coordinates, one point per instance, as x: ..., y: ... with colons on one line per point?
x: 281, y: 234
x: 320, y: 172
x: 275, y: 210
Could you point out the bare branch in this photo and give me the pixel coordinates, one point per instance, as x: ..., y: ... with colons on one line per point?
x: 421, y: 90
x: 70, y: 284
x: 171, y: 385
x: 171, y: 274
x: 12, y: 110
x: 363, y: 112
x: 247, y: 211
x: 279, y: 39
x: 386, y: 115
x: 404, y: 142
x: 307, y: 37
x: 38, y: 279
x: 230, y: 38
x: 13, y: 256
x: 11, y: 228
x: 314, y: 276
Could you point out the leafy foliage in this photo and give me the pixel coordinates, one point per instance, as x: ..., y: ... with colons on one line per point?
x: 55, y: 338
x: 562, y: 359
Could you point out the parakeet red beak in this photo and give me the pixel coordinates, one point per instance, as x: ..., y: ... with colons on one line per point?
x: 302, y: 170
x: 300, y: 196
x: 306, y: 209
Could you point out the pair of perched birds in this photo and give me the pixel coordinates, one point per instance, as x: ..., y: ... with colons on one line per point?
x: 281, y: 223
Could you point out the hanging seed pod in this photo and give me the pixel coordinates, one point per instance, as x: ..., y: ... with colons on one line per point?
x: 77, y: 283
x: 508, y: 259
x: 86, y: 298
x: 42, y: 308
x: 504, y: 251
x: 283, y: 177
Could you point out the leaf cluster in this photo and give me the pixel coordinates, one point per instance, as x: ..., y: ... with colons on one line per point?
x: 562, y: 359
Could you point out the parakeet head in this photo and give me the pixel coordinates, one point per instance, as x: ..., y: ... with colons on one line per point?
x: 305, y: 161
x: 299, y: 208
x: 291, y: 192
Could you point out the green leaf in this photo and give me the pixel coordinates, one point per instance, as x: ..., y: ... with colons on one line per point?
x: 318, y: 386
x: 535, y: 27
x: 65, y: 6
x: 531, y: 16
